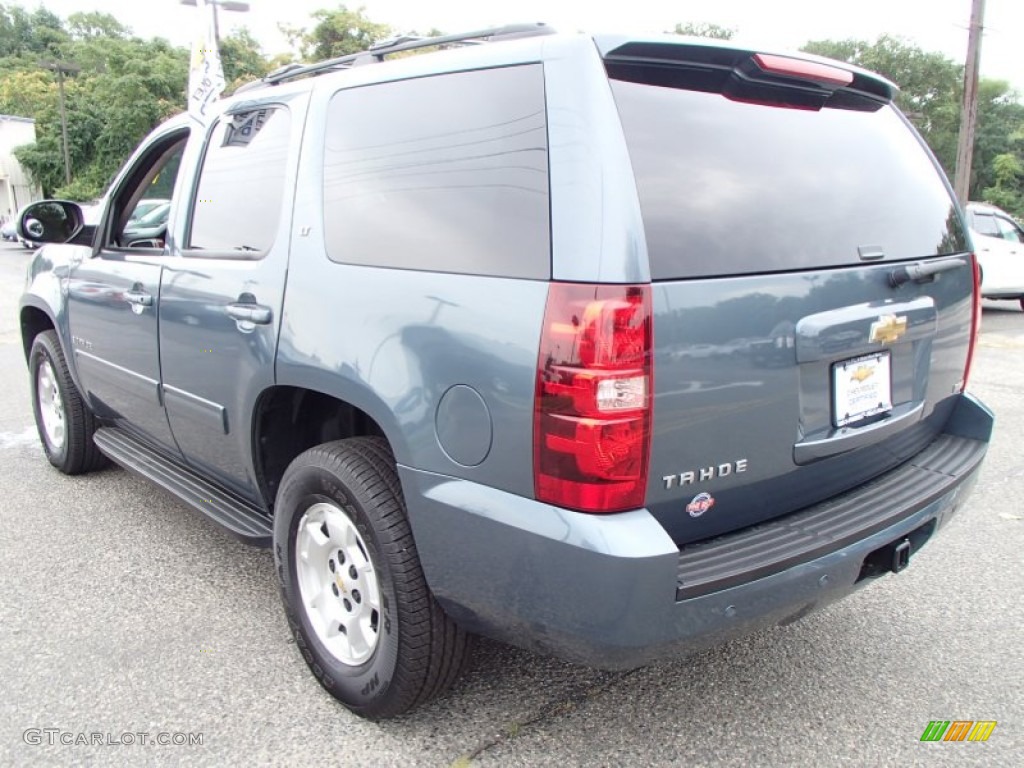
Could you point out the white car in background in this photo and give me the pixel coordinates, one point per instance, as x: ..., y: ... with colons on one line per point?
x: 999, y: 243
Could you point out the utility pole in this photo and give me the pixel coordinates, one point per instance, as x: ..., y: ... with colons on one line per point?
x: 60, y: 68
x: 969, y: 110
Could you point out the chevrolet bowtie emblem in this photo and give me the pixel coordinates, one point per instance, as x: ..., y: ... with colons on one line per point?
x: 888, y: 329
x: 862, y: 374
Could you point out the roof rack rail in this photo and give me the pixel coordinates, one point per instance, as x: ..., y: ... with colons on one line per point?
x: 377, y: 52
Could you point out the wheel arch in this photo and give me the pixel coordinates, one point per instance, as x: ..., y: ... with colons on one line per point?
x: 287, y: 420
x: 35, y: 318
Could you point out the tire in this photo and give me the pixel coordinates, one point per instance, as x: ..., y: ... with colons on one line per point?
x: 63, y: 420
x: 341, y: 504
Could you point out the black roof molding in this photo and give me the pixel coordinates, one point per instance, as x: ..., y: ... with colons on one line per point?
x: 378, y: 52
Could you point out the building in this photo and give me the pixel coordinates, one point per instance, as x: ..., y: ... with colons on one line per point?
x: 16, y: 188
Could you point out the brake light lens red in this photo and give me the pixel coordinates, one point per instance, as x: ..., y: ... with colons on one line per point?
x: 592, y: 412
x: 975, y: 320
x: 805, y: 70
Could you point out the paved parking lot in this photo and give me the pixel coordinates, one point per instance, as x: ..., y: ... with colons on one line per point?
x: 123, y: 612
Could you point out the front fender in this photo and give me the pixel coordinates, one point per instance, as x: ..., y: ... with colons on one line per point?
x: 44, y: 300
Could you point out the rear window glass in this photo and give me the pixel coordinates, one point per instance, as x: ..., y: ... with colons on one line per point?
x: 728, y: 187
x: 446, y: 173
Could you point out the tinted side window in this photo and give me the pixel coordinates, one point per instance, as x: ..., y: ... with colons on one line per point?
x: 446, y: 173
x: 237, y: 208
x: 728, y: 187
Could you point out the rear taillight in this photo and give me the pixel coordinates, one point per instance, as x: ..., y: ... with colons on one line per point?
x: 975, y: 319
x: 592, y: 413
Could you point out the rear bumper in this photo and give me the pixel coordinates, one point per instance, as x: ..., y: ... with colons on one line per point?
x: 615, y: 592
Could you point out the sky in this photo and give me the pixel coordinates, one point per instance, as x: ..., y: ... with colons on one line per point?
x: 934, y: 25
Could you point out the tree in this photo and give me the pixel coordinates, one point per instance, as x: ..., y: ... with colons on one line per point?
x: 90, y: 25
x: 998, y: 143
x: 27, y: 92
x: 126, y: 87
x: 930, y: 85
x: 242, y: 58
x: 930, y: 94
x: 704, y: 29
x: 1008, y: 191
x: 48, y: 32
x: 21, y: 33
x: 15, y: 30
x: 337, y: 33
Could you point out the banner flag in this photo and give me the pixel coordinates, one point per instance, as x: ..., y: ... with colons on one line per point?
x: 206, y: 75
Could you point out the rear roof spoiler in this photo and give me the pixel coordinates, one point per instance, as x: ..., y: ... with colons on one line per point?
x: 727, y: 57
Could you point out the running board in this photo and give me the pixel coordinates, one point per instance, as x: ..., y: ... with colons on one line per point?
x: 238, y: 517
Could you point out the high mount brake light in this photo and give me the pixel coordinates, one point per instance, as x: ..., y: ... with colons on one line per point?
x: 805, y: 70
x: 592, y: 412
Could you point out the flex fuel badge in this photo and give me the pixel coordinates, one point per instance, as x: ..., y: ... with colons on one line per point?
x: 701, y: 503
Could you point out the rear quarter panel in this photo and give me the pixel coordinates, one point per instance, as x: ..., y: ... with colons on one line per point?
x: 597, y: 232
x: 393, y: 342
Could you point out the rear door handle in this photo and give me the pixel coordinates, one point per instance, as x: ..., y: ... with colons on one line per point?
x: 250, y: 312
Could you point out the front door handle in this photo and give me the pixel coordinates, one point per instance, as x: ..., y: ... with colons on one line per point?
x: 139, y: 298
x: 250, y: 311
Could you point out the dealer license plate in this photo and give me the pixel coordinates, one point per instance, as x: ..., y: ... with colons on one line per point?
x: 861, y: 388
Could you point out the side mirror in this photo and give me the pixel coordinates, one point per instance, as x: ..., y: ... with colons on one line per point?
x: 50, y: 221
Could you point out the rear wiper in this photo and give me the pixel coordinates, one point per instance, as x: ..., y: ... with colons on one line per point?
x: 923, y: 271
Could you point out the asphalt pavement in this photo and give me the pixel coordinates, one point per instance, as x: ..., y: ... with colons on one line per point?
x: 127, y: 618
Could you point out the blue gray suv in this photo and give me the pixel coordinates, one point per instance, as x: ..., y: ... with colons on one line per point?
x: 609, y: 348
